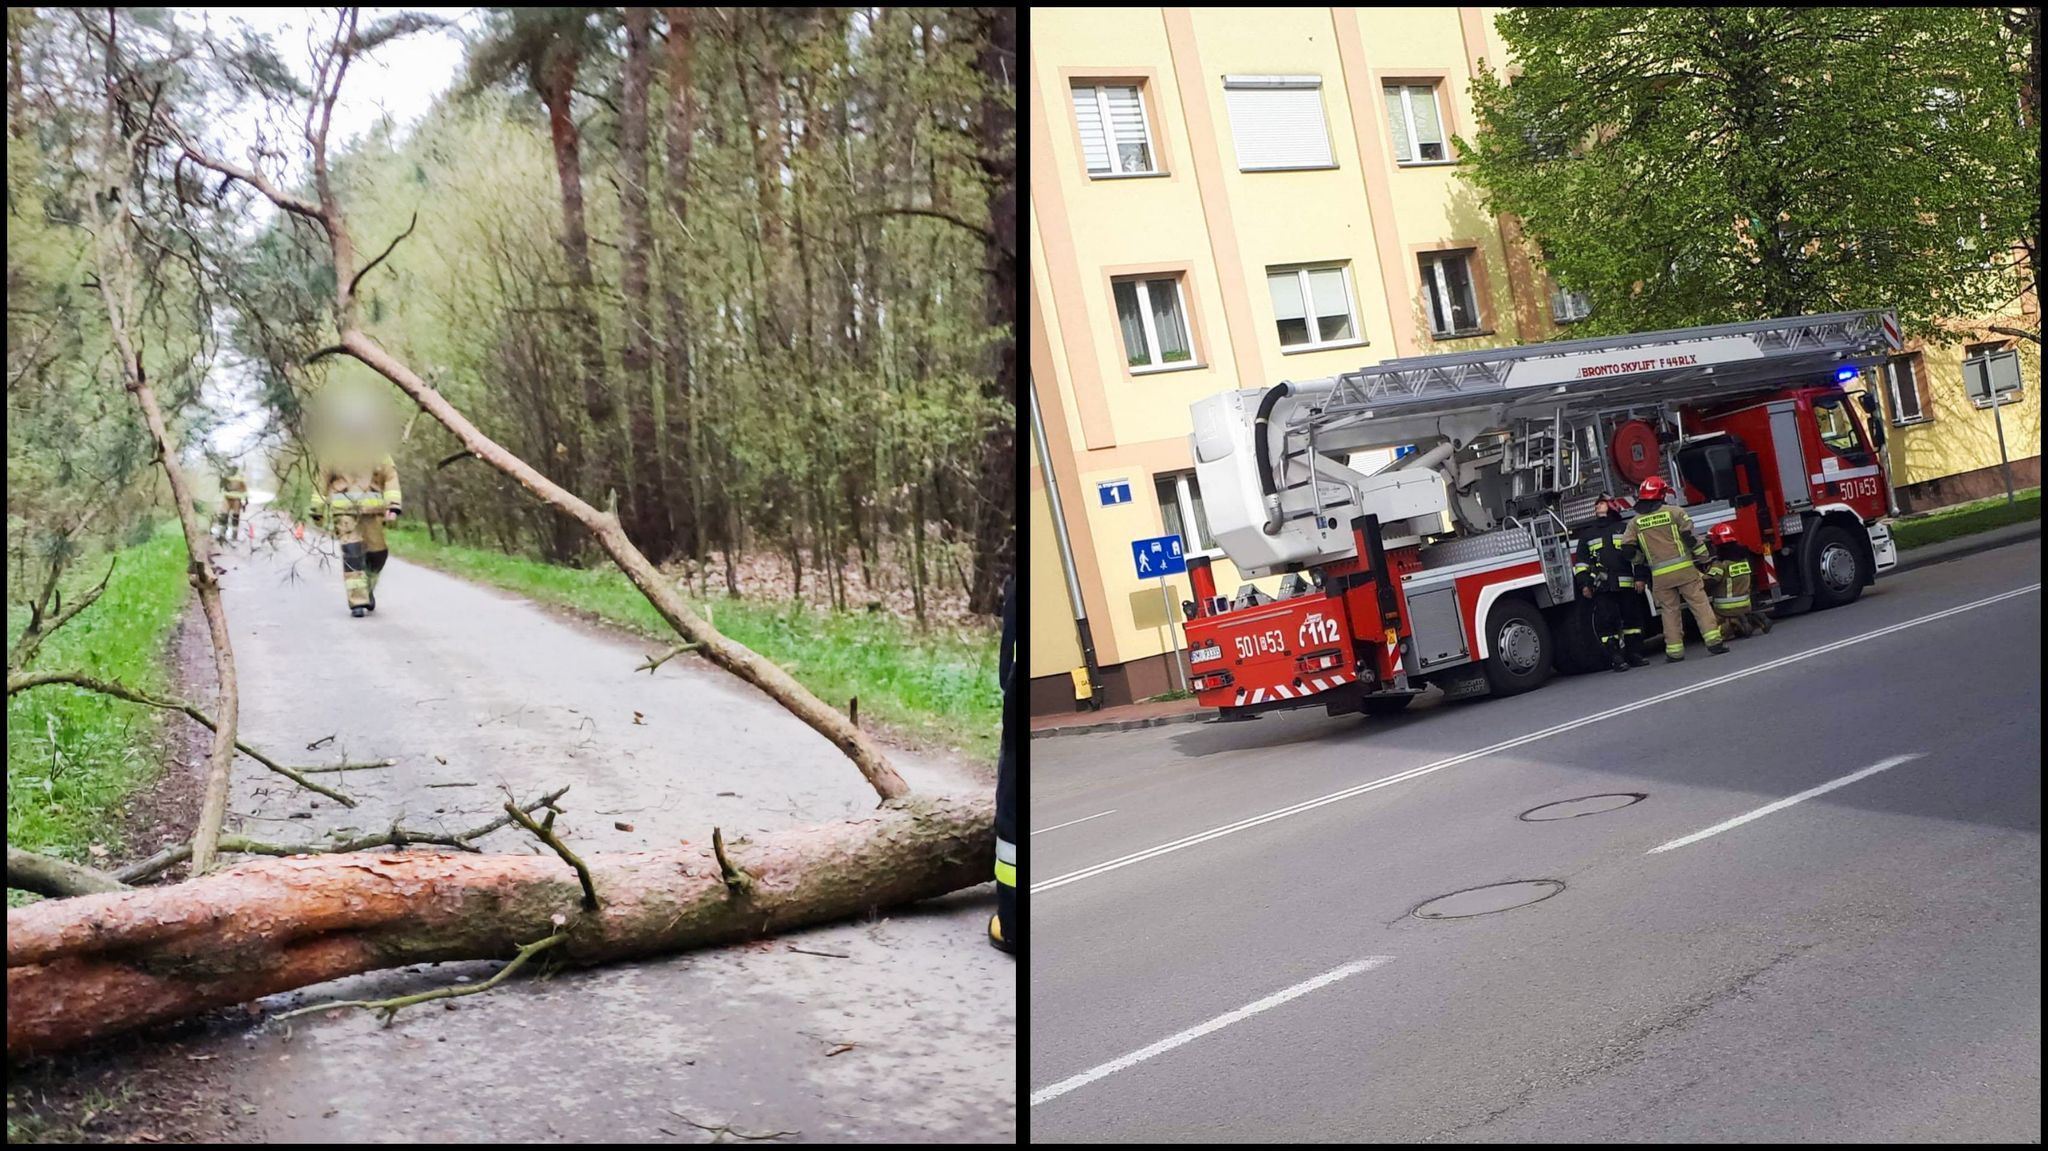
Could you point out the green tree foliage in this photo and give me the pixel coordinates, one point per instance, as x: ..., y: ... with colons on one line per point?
x: 1697, y: 165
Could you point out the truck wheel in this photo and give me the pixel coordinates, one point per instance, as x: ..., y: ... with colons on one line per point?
x: 1385, y: 704
x: 1521, y: 646
x: 1836, y: 569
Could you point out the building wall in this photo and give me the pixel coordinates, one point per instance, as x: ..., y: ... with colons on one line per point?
x: 1220, y: 228
x: 1950, y: 455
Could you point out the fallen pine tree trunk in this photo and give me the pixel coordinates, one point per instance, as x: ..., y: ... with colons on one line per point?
x: 82, y: 968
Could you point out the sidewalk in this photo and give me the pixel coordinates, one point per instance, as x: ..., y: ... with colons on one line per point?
x: 1967, y: 545
x: 1130, y: 715
x: 1136, y: 715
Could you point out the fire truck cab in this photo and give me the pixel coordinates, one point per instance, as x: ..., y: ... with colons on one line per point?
x: 1452, y: 565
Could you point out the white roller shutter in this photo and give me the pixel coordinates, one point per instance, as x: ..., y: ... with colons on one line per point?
x: 1278, y: 122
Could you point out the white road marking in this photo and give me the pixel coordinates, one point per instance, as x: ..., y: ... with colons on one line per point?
x: 1505, y: 745
x: 1766, y: 809
x: 1072, y: 822
x: 1201, y: 1029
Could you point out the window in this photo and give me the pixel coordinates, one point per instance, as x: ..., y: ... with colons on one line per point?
x: 1447, y: 293
x: 1278, y: 122
x: 1115, y: 139
x: 1568, y: 307
x: 1153, y: 316
x: 1902, y: 384
x: 1313, y: 306
x: 1180, y: 506
x: 1838, y: 428
x: 1413, y: 122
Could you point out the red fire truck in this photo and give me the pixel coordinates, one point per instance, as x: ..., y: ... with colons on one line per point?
x: 1452, y: 565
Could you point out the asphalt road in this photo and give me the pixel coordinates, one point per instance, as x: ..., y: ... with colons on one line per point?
x: 473, y: 690
x: 1863, y: 964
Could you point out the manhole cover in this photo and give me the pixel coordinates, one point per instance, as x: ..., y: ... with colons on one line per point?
x: 1585, y: 805
x: 1489, y: 899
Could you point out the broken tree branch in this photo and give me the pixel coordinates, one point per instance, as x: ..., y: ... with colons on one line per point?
x: 396, y: 837
x: 113, y: 256
x: 48, y: 875
x: 25, y: 680
x: 392, y: 247
x: 365, y: 766
x: 737, y: 882
x: 388, y: 1008
x: 656, y: 661
x: 546, y: 833
x: 32, y: 638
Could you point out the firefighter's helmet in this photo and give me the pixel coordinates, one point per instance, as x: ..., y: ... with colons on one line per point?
x: 1721, y: 534
x: 1653, y: 488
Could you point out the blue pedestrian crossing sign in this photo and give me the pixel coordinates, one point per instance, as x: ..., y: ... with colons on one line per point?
x: 1114, y: 492
x: 1158, y: 557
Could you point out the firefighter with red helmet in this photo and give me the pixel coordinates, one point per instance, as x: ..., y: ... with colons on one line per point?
x: 1730, y: 578
x: 1663, y: 534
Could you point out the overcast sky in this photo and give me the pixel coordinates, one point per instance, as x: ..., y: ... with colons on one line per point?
x: 400, y: 80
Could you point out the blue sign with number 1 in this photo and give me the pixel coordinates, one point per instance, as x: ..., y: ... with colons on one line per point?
x: 1158, y: 557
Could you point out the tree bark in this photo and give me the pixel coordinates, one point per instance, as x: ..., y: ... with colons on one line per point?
x: 79, y: 969
x: 600, y: 471
x: 648, y: 523
x: 686, y: 513
x: 995, y: 536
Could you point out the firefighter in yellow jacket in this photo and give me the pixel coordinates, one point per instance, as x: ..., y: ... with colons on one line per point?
x: 355, y: 486
x: 357, y: 499
x: 1729, y: 580
x: 1665, y: 537
x: 234, y: 496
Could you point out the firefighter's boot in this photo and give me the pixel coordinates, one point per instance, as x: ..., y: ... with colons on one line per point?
x: 1615, y: 660
x: 1634, y: 657
x: 359, y: 612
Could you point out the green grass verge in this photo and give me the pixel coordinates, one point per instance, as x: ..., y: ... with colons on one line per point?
x: 73, y: 756
x: 934, y: 687
x: 1966, y: 519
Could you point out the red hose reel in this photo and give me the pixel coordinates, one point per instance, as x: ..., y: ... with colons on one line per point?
x: 1636, y: 455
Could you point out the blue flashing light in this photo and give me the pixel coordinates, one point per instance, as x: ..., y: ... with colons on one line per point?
x: 1844, y: 375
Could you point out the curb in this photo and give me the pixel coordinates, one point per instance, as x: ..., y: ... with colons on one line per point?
x: 1123, y: 724
x: 1967, y: 545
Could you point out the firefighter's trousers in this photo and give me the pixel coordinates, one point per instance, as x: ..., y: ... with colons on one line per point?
x: 362, y: 554
x: 1689, y: 585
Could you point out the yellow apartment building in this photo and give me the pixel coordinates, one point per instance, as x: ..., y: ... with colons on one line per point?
x: 1227, y: 198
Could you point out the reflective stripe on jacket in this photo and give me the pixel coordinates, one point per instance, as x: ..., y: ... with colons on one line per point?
x: 353, y: 490
x: 1731, y: 585
x: 1665, y: 537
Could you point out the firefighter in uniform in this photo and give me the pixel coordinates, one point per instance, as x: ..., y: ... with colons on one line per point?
x: 234, y: 494
x: 1006, y: 928
x: 1606, y: 578
x: 1635, y: 606
x: 1729, y: 581
x: 1665, y: 537
x: 357, y: 498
